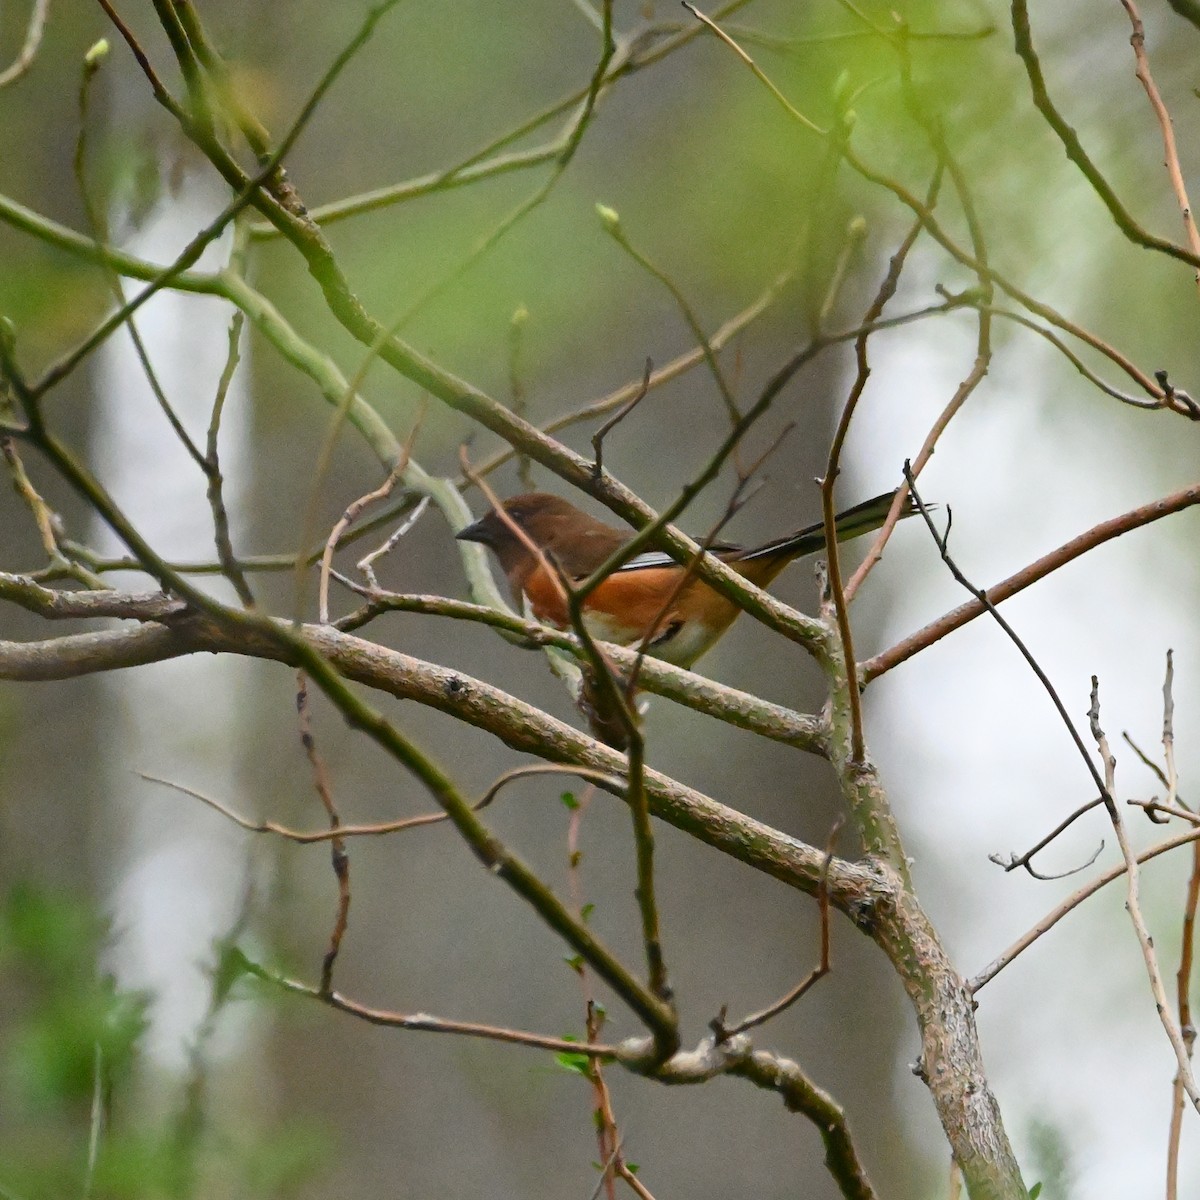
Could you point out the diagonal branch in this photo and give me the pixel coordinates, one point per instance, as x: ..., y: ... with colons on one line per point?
x: 1174, y: 172
x: 1068, y: 552
x: 1023, y: 37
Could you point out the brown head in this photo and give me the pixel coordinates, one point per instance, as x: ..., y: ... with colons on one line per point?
x: 577, y: 542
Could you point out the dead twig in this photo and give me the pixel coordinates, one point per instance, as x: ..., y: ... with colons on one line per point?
x: 1133, y: 906
x: 617, y: 417
x: 942, y: 541
x: 1138, y: 41
x: 1025, y: 860
x: 725, y: 1032
x: 306, y: 837
x: 338, y: 857
x: 38, y: 13
x: 1073, y: 901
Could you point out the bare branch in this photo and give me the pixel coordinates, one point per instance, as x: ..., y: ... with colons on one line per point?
x: 943, y: 540
x: 338, y: 856
x: 38, y: 12
x: 1074, y: 148
x: 1026, y: 860
x: 818, y: 972
x: 1072, y: 902
x: 430, y: 1024
x: 617, y: 417
x: 1096, y: 536
x: 309, y: 837
x: 1134, y: 908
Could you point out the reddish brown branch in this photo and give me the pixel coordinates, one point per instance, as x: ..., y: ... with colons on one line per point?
x: 1138, y: 41
x: 872, y: 668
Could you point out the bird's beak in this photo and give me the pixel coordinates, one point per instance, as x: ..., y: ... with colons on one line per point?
x: 475, y: 532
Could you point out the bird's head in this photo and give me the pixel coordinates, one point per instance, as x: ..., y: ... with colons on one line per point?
x: 543, y: 518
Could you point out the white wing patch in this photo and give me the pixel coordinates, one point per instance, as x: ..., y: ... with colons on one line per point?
x: 648, y: 558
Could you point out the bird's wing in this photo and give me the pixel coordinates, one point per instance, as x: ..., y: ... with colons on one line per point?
x: 649, y: 559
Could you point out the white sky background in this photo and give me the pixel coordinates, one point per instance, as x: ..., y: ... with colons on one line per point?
x: 977, y: 761
x: 178, y: 872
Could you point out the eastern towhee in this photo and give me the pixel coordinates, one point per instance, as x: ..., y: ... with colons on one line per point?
x: 643, y: 600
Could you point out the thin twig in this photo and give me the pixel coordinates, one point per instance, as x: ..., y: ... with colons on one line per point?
x: 678, y: 366
x: 1026, y: 860
x: 349, y: 514
x: 339, y: 858
x: 1091, y: 376
x: 856, y: 232
x: 48, y: 522
x: 1183, y: 986
x: 570, y: 143
x: 367, y: 564
x: 161, y: 94
x: 1073, y: 901
x: 192, y: 251
x: 944, y: 161
x: 517, y: 392
x: 814, y: 976
x: 942, y: 540
x: 1174, y: 172
x: 428, y: 1023
x: 1133, y: 906
x: 1074, y: 148
x: 841, y: 598
x: 617, y: 417
x: 38, y: 12
x: 1183, y: 977
x: 98, y: 227
x: 1145, y: 759
x: 608, y: 1136
x: 641, y: 49
x: 785, y: 45
x: 762, y: 78
x: 1168, y: 729
x: 212, y: 468
x: 612, y: 226
x: 1185, y: 407
x: 308, y: 837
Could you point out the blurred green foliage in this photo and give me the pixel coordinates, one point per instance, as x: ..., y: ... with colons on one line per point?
x: 71, y: 1060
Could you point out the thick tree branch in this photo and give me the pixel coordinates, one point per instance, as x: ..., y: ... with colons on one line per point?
x: 519, y: 725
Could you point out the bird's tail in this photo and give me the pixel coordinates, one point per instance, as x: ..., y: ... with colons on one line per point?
x: 862, y: 518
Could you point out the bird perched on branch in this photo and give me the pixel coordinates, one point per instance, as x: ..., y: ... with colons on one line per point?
x: 650, y: 599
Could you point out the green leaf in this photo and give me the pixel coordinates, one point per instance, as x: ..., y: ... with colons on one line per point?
x: 570, y: 801
x: 230, y: 966
x: 1035, y: 1191
x: 586, y: 911
x: 571, y: 1061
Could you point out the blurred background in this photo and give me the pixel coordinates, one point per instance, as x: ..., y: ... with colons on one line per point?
x: 109, y: 877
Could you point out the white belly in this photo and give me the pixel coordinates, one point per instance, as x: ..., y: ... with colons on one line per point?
x: 682, y: 648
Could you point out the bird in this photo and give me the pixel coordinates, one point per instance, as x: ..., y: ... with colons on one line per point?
x: 651, y: 599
